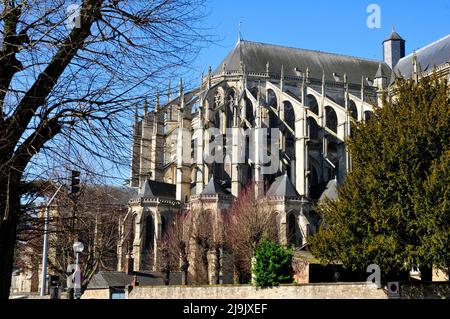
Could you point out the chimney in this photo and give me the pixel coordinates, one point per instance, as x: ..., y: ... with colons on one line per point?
x: 129, y: 264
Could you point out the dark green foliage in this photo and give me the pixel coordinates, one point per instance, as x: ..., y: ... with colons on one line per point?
x: 273, y: 264
x: 394, y: 208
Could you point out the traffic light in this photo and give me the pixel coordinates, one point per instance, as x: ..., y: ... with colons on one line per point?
x: 74, y: 182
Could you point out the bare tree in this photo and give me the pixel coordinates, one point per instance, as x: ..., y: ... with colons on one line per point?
x: 93, y: 221
x: 176, y: 243
x: 73, y: 82
x: 250, y: 221
x: 220, y: 245
x: 203, y: 239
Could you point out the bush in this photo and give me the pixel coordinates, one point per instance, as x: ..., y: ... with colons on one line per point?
x: 273, y: 264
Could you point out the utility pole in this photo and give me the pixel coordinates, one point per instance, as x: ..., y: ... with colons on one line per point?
x: 45, y: 246
x: 74, y: 189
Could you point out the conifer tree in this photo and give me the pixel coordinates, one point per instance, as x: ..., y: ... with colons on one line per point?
x: 394, y: 207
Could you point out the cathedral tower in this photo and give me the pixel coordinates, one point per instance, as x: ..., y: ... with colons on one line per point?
x: 393, y: 49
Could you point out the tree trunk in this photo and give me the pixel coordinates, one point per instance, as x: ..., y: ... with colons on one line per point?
x: 206, y: 264
x: 9, y: 212
x: 167, y: 277
x: 217, y: 266
x: 184, y: 269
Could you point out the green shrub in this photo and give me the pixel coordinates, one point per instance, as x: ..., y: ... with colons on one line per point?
x: 273, y: 265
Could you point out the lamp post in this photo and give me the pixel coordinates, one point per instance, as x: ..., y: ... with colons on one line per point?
x: 45, y: 245
x: 78, y: 248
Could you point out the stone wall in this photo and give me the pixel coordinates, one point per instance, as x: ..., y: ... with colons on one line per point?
x: 311, y: 291
x: 435, y: 290
x: 96, y: 294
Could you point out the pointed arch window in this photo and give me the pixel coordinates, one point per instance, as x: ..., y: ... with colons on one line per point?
x: 311, y: 102
x: 289, y: 115
x: 353, y: 109
x: 331, y: 118
x: 149, y: 232
x: 292, y: 230
x: 230, y: 108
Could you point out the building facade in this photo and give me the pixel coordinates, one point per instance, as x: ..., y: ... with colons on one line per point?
x: 310, y: 97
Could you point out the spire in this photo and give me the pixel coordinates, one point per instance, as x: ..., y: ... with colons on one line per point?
x: 181, y: 98
x: 394, y: 36
x: 244, y: 78
x: 156, y: 102
x: 209, y: 77
x: 180, y: 87
x: 346, y: 90
x: 136, y: 116
x: 323, y: 82
x: 415, y: 67
x: 240, y: 31
x: 258, y: 107
x: 362, y: 88
x: 169, y: 91
x: 379, y: 73
x: 145, y: 106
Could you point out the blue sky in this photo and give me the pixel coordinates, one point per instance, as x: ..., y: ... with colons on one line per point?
x: 325, y: 25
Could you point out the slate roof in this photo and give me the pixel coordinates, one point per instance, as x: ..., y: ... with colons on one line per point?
x: 434, y: 54
x: 394, y: 36
x: 381, y: 73
x: 256, y: 55
x: 105, y: 280
x: 214, y: 188
x: 331, y: 191
x: 153, y: 189
x: 320, y: 191
x: 282, y: 187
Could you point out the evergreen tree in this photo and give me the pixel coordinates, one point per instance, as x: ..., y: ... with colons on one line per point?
x: 393, y: 209
x: 273, y: 264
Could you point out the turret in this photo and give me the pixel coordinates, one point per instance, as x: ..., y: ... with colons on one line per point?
x: 393, y: 49
x: 380, y: 79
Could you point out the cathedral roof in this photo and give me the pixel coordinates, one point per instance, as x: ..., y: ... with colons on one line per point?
x: 434, y: 54
x: 255, y: 57
x: 331, y: 191
x: 153, y: 189
x: 380, y: 72
x: 214, y: 188
x: 282, y: 187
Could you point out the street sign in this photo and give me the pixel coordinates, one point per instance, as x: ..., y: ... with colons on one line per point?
x: 393, y: 290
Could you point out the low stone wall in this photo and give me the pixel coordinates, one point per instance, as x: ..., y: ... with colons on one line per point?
x: 433, y: 290
x: 311, y: 291
x: 96, y: 294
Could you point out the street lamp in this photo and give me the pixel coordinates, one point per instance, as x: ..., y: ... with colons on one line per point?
x: 78, y: 248
x: 45, y: 245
